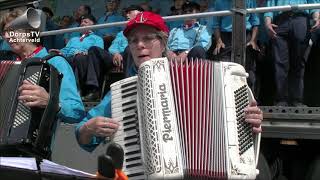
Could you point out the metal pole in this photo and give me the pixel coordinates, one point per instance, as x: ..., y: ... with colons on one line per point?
x: 197, y: 15
x: 238, y: 53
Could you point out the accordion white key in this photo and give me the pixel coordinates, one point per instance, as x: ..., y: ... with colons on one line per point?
x: 185, y: 121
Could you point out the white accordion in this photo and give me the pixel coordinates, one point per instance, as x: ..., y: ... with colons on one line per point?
x: 185, y: 121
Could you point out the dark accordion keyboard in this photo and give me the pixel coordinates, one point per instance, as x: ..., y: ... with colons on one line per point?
x: 24, y: 130
x: 185, y: 121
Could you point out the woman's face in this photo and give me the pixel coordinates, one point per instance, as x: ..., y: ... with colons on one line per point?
x: 10, y: 35
x: 145, y: 44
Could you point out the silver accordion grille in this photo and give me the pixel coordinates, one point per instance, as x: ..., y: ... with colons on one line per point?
x: 23, y: 112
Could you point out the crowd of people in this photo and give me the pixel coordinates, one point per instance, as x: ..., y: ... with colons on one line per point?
x: 146, y: 35
x: 94, y: 54
x: 90, y: 55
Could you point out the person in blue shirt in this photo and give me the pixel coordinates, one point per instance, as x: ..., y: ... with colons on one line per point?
x: 289, y: 34
x: 190, y: 39
x: 222, y: 27
x: 81, y: 44
x: 104, y: 61
x: 147, y: 40
x: 72, y: 109
x: 118, y: 49
x: 81, y: 11
x: 111, y: 15
x: 78, y: 53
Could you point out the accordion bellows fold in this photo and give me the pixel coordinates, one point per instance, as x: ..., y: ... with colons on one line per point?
x: 185, y: 121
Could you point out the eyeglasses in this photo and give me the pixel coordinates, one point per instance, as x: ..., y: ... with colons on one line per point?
x: 146, y: 39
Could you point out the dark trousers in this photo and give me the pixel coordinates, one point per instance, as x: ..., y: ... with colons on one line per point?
x: 90, y: 69
x: 251, y: 56
x: 197, y: 52
x: 288, y: 50
x: 312, y: 89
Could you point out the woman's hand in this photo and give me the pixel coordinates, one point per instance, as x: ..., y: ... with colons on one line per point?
x: 254, y: 116
x: 219, y: 45
x: 33, y: 95
x: 117, y: 60
x: 101, y: 126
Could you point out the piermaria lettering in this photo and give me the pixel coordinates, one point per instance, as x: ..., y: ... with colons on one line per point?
x: 167, y: 132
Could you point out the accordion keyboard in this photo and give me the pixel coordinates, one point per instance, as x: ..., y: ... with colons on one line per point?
x: 124, y: 109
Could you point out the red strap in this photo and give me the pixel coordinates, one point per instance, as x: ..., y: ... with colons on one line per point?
x: 84, y: 35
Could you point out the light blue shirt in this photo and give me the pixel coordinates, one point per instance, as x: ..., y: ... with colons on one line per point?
x: 75, y: 45
x: 288, y: 2
x: 119, y: 44
x: 110, y: 18
x: 185, y: 39
x: 72, y: 109
x: 224, y: 23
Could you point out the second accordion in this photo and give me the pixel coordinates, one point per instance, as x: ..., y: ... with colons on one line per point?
x: 185, y: 121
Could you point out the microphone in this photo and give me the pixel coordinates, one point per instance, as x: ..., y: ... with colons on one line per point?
x: 110, y: 164
x: 105, y: 167
x: 115, y: 151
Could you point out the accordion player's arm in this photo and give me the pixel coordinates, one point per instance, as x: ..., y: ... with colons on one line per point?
x: 71, y: 106
x: 103, y: 109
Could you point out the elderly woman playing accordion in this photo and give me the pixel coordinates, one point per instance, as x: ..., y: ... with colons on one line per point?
x: 147, y: 36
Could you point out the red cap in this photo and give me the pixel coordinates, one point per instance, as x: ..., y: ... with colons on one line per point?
x: 149, y: 19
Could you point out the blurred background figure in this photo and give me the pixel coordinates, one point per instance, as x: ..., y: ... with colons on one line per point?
x: 111, y: 15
